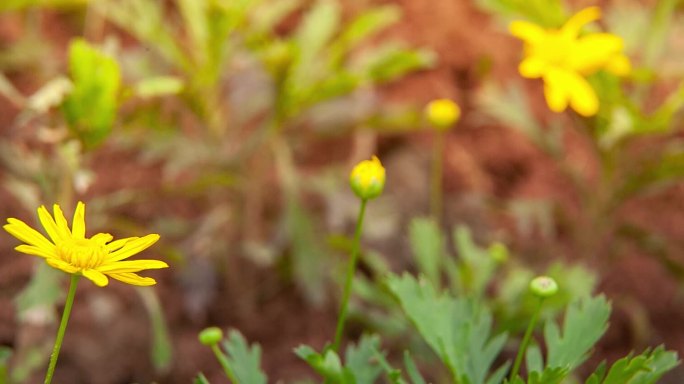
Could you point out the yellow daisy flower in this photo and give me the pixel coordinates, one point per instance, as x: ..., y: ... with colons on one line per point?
x: 96, y: 258
x: 563, y: 59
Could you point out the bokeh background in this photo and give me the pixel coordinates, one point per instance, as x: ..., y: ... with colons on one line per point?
x: 230, y: 127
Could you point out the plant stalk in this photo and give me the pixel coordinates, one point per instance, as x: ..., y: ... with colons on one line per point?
x: 436, y: 176
x: 223, y: 360
x: 350, y: 277
x: 526, y: 341
x: 62, y: 327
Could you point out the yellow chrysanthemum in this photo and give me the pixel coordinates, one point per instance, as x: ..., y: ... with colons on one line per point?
x: 442, y: 113
x: 367, y: 179
x: 563, y: 59
x: 96, y: 258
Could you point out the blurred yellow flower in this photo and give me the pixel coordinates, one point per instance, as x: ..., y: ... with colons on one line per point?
x: 367, y: 179
x: 442, y: 113
x: 563, y: 59
x: 96, y: 258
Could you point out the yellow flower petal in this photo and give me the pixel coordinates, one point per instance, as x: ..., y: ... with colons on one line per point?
x: 115, y: 245
x: 583, y: 99
x: 132, y: 247
x: 593, y: 52
x: 96, y: 277
x: 50, y: 226
x: 60, y: 220
x: 37, y: 251
x: 619, y: 65
x: 78, y: 225
x: 554, y: 91
x: 102, y: 238
x: 526, y: 31
x: 573, y: 26
x: 131, y: 266
x: 23, y: 232
x: 532, y: 68
x: 63, y: 265
x: 133, y: 279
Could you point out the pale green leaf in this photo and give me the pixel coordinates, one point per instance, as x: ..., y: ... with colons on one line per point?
x: 245, y: 361
x: 427, y: 245
x: 586, y: 320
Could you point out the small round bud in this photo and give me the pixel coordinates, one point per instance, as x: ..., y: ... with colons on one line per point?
x: 367, y: 179
x: 498, y: 252
x: 210, y: 336
x: 543, y: 286
x: 442, y: 113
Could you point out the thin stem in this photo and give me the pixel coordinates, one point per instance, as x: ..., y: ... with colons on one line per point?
x: 350, y: 277
x: 526, y: 340
x: 436, y: 177
x: 223, y: 360
x: 62, y: 327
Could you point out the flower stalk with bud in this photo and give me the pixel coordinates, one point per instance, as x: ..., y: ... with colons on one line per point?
x: 367, y: 180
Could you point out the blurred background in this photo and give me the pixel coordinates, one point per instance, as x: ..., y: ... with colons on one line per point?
x: 229, y: 127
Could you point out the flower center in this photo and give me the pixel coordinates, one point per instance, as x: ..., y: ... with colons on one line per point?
x: 82, y: 253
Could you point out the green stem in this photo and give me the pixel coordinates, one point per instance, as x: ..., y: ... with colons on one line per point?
x: 350, y: 277
x: 223, y: 360
x: 526, y: 341
x: 436, y: 177
x: 62, y: 327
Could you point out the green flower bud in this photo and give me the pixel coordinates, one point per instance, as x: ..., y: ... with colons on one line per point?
x: 498, y: 252
x: 367, y: 179
x: 210, y: 336
x: 442, y: 113
x: 543, y: 286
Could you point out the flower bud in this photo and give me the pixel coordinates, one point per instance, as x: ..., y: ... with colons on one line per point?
x: 543, y: 286
x: 498, y: 252
x: 367, y: 179
x: 210, y: 336
x: 442, y: 113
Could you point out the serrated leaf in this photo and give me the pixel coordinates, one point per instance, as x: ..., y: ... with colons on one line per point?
x: 361, y: 360
x: 660, y: 362
x: 327, y: 365
x: 458, y: 330
x: 245, y: 361
x: 586, y: 320
x: 427, y: 245
x: 476, y: 264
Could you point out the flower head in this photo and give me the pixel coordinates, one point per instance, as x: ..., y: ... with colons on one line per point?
x: 563, y: 59
x: 96, y: 258
x: 543, y: 287
x: 442, y: 113
x: 367, y: 179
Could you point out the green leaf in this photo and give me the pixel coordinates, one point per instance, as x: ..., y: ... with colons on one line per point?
x: 90, y: 108
x: 391, y: 61
x: 412, y: 370
x: 162, y: 347
x: 427, y: 245
x: 266, y: 17
x: 645, y: 368
x: 43, y: 291
x: 327, y: 365
x: 586, y: 320
x: 5, y: 355
x: 244, y: 361
x: 158, y: 86
x: 457, y: 330
x: 477, y: 266
x: 369, y: 23
x: 361, y: 360
x: 201, y: 379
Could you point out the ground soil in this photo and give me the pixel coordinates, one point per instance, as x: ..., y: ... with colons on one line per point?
x: 109, y: 336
